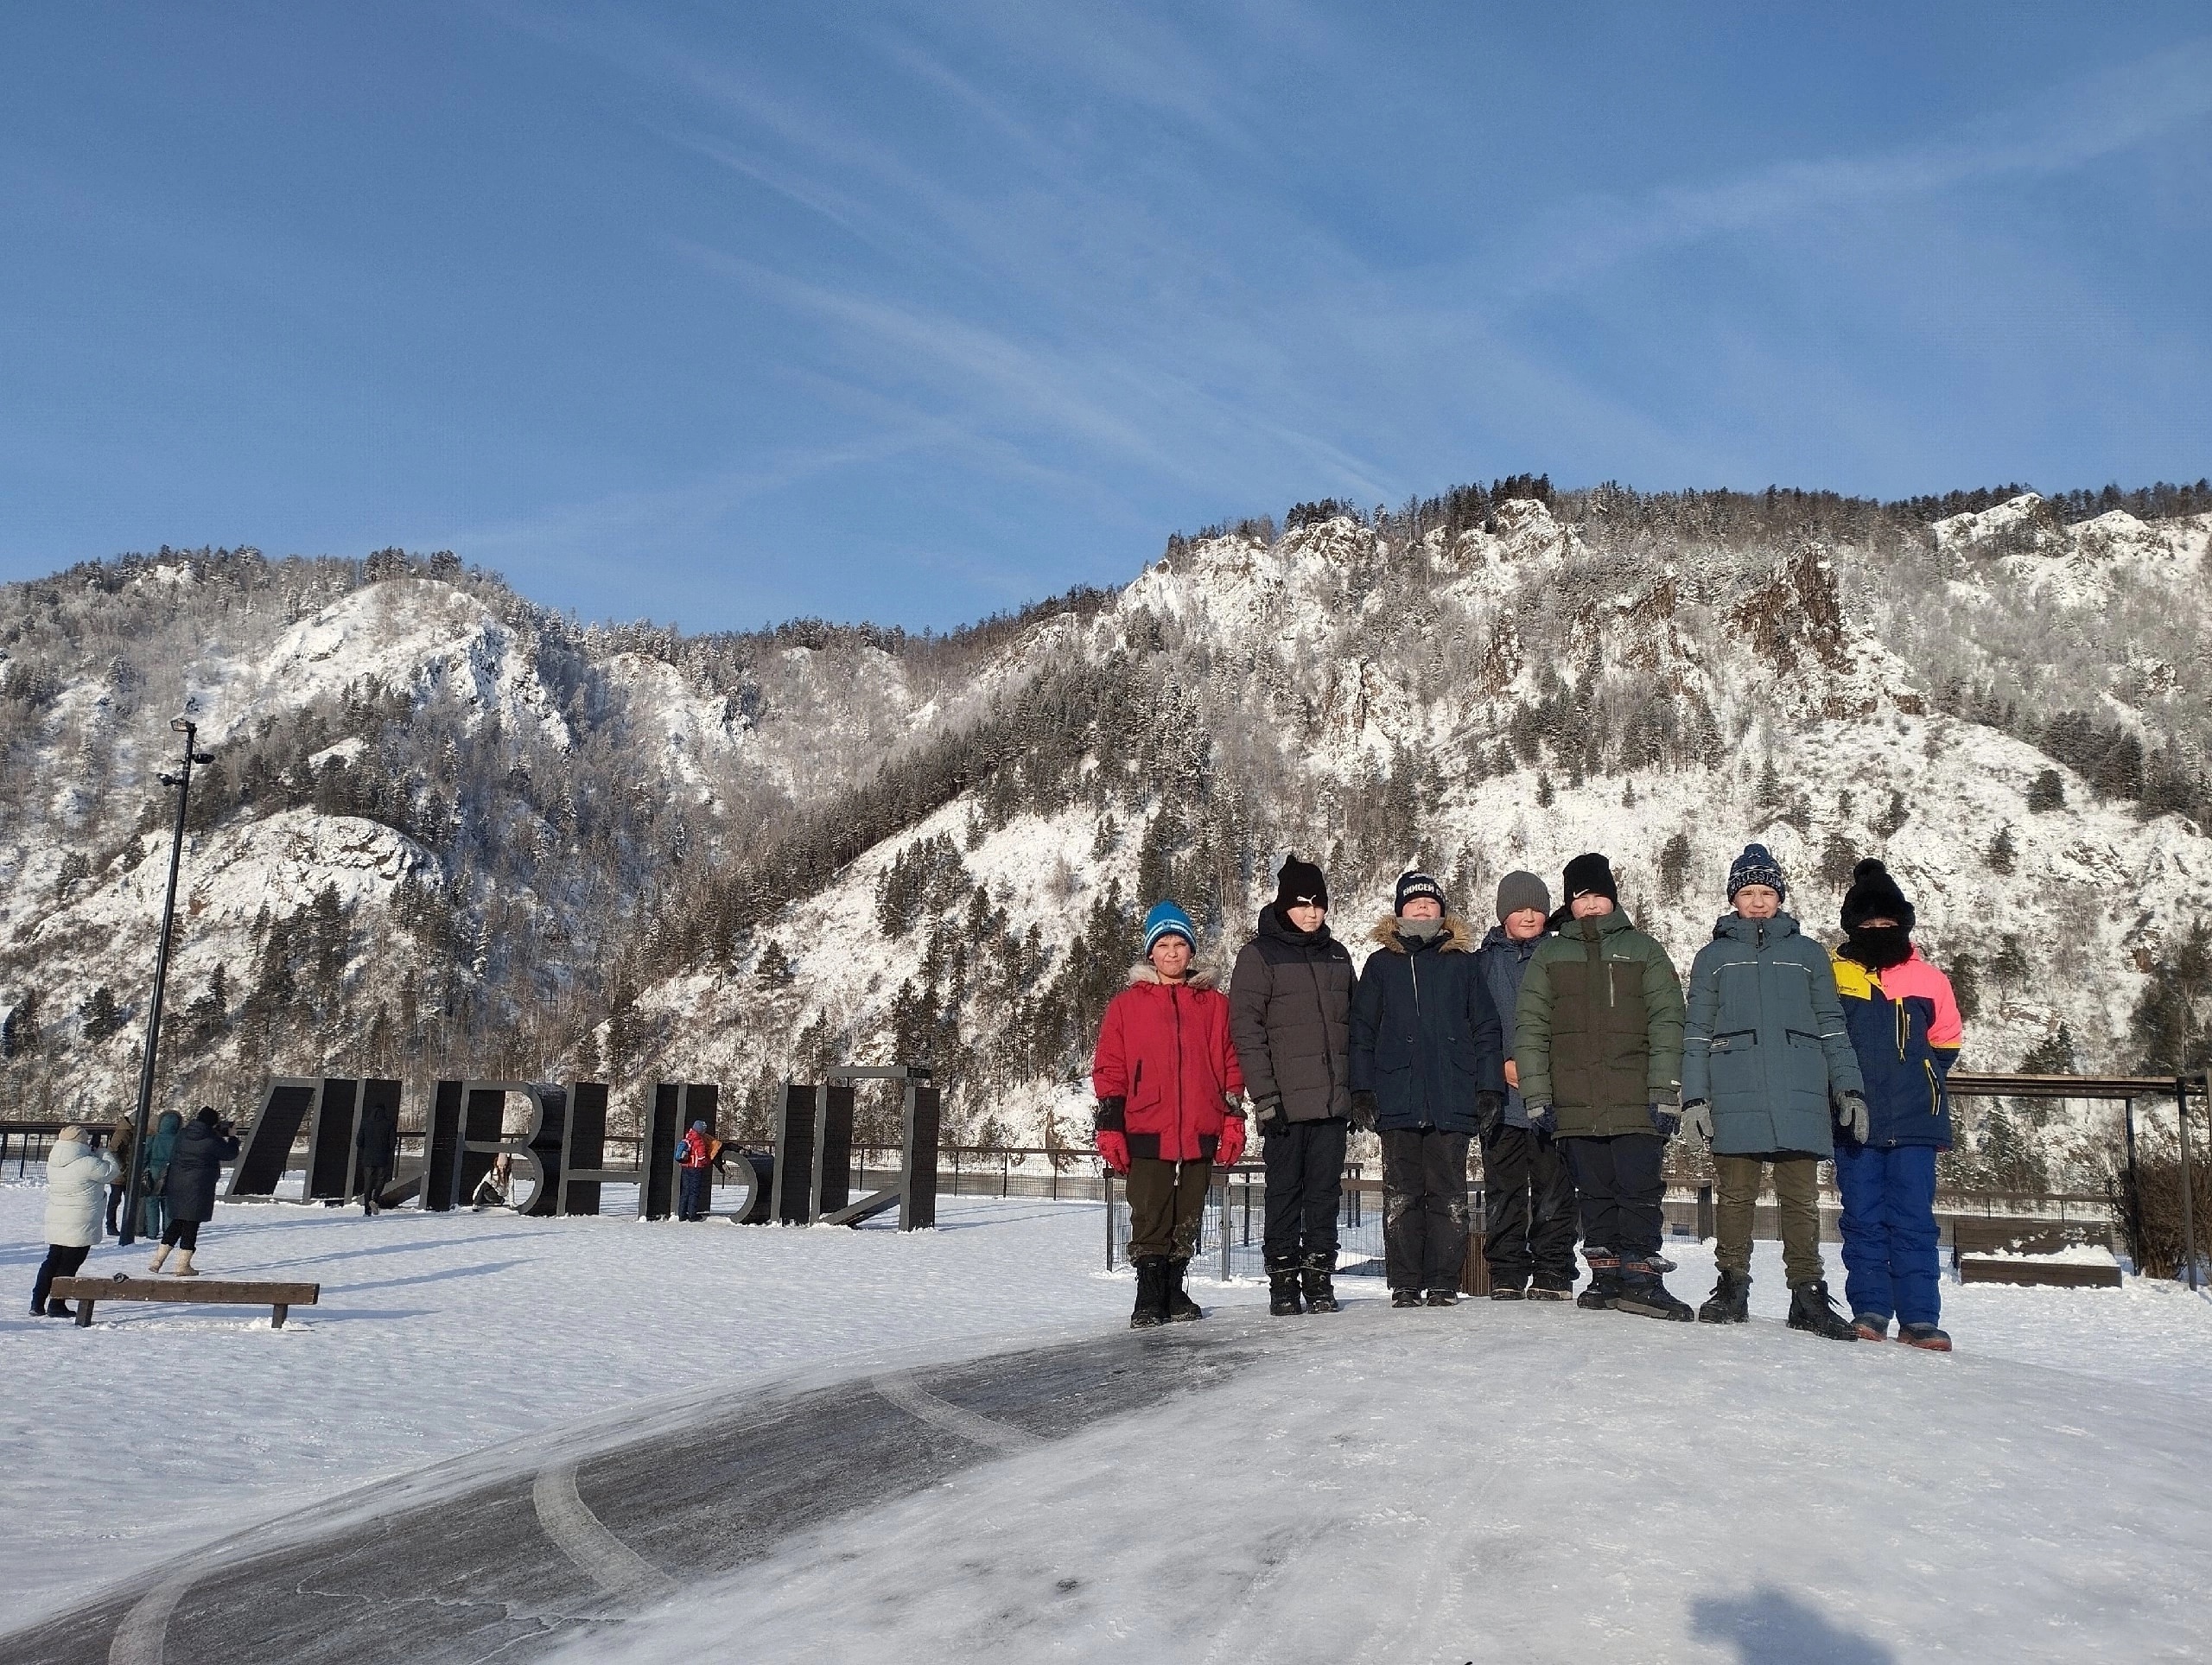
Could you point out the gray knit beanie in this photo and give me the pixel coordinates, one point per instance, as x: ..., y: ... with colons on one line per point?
x: 1522, y: 890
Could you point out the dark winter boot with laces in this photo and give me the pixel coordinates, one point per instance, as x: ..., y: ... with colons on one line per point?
x: 1283, y: 1299
x: 1810, y: 1309
x: 1604, y: 1280
x: 1730, y: 1301
x: 1181, y: 1309
x: 1152, y: 1293
x: 1643, y: 1294
x: 1405, y: 1298
x: 1320, y: 1276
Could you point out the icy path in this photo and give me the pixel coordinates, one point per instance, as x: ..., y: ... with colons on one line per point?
x: 164, y: 1426
x: 1530, y: 1483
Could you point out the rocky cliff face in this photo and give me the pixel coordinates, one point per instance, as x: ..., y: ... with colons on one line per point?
x: 448, y: 832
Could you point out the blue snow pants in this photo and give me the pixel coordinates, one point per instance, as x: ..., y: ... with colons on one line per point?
x: 691, y: 1200
x: 1889, y: 1231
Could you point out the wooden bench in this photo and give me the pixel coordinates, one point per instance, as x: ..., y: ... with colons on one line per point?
x: 1989, y: 1251
x: 279, y: 1297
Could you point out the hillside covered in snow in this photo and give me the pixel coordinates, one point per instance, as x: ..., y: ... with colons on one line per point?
x: 449, y: 832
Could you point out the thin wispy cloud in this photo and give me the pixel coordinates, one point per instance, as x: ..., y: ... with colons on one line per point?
x: 2058, y: 131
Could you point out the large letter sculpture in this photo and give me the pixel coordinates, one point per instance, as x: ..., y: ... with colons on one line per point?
x: 327, y: 1108
x: 330, y: 1140
x: 789, y: 1203
x: 915, y: 1195
x: 441, y: 1137
x: 533, y: 1154
x: 267, y: 1151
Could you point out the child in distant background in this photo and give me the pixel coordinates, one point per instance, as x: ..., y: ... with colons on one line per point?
x: 1904, y: 1026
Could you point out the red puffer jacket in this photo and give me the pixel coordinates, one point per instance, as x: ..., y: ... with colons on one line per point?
x: 1165, y: 1070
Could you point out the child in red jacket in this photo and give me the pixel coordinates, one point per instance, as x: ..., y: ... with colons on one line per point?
x: 1169, y: 1090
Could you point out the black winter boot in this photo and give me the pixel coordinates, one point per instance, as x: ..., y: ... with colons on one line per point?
x: 1318, y: 1275
x: 1181, y: 1309
x: 1924, y: 1336
x: 1643, y: 1294
x: 1547, y: 1286
x: 1811, y: 1309
x: 1152, y: 1293
x: 56, y: 1309
x: 1604, y: 1280
x: 1283, y: 1300
x: 1405, y: 1298
x: 1729, y: 1303
x: 1441, y: 1298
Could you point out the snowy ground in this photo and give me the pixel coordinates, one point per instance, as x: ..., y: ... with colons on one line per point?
x: 1493, y: 1482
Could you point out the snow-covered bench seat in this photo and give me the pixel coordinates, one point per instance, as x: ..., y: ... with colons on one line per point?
x: 2056, y: 1253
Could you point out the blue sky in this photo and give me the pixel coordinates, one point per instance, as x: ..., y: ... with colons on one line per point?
x: 718, y: 313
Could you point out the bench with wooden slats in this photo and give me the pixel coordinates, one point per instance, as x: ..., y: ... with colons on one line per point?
x: 1990, y: 1251
x: 279, y: 1297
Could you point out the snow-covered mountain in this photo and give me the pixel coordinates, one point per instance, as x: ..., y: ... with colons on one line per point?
x: 447, y: 831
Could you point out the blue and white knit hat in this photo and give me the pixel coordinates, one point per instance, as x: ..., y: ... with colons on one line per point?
x: 1165, y: 920
x: 1757, y: 866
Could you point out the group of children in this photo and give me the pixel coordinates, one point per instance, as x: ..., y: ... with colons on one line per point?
x: 1563, y: 1043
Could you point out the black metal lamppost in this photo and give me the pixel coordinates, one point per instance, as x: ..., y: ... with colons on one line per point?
x: 182, y: 781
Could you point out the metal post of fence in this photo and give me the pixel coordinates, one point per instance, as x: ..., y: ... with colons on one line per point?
x: 2134, y: 1192
x: 2188, y: 1179
x: 1227, y: 1237
x: 1106, y: 1190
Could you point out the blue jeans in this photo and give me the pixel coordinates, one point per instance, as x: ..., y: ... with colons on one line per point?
x: 1889, y: 1232
x: 693, y: 1195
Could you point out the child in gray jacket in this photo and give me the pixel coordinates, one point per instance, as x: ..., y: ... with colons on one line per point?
x: 1768, y: 1069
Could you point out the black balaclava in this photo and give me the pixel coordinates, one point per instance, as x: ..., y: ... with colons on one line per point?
x: 1874, y: 894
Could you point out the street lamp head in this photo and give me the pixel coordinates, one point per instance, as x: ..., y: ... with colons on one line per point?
x: 182, y: 725
x: 203, y: 757
x: 171, y: 780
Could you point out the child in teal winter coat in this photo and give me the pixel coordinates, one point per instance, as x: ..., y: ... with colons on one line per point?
x: 1766, y: 1064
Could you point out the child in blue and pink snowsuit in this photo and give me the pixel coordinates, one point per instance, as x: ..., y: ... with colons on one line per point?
x: 1904, y: 1026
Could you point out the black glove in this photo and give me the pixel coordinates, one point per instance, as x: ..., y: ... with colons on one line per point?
x: 1267, y: 1112
x: 1362, y: 1111
x: 1665, y: 1118
x: 1490, y: 1110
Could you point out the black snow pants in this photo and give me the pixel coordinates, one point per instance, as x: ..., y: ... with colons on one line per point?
x: 1621, y: 1188
x: 62, y: 1261
x: 1528, y: 1190
x: 1423, y: 1207
x: 1306, y: 1167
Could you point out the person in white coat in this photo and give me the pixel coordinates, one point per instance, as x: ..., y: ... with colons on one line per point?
x: 77, y: 1178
